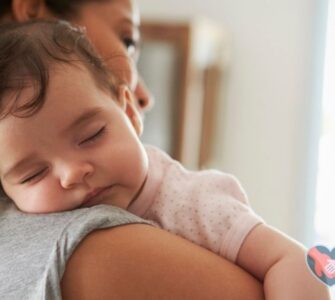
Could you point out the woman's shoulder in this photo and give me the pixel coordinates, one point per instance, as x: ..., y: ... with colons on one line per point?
x: 35, y: 247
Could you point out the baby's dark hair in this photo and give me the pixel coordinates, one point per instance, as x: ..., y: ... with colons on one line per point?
x: 29, y: 50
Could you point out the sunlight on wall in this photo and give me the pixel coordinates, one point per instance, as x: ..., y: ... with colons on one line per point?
x: 324, y: 220
x: 325, y: 202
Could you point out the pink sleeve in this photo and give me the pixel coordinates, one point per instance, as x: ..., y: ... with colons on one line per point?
x: 208, y: 208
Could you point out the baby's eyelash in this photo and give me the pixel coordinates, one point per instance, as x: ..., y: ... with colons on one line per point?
x: 27, y: 180
x: 94, y: 137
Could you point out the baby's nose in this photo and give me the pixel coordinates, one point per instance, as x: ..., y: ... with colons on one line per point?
x: 75, y: 173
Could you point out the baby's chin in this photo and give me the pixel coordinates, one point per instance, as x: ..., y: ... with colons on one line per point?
x: 121, y: 197
x: 42, y: 209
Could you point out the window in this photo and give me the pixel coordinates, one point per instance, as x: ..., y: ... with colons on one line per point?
x: 325, y: 198
x: 324, y: 220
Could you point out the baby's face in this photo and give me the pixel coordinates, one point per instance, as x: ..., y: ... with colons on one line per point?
x: 79, y: 150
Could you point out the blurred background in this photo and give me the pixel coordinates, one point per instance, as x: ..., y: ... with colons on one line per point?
x: 246, y: 87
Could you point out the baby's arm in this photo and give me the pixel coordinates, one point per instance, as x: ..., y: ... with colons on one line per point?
x: 280, y: 262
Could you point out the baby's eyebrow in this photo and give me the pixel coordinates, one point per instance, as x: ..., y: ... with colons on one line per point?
x: 84, y: 117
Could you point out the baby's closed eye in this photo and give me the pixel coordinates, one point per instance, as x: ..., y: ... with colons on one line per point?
x: 35, y: 175
x: 96, y: 135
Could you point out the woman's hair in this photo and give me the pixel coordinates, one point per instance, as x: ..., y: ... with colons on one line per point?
x: 61, y: 8
x: 28, y: 52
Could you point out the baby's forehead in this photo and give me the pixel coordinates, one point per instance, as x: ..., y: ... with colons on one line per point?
x: 70, y: 105
x: 27, y: 96
x: 66, y: 82
x: 71, y: 90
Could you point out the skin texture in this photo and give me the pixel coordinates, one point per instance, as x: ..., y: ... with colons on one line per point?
x: 93, y: 271
x: 106, y: 32
x: 142, y: 262
x: 67, y: 165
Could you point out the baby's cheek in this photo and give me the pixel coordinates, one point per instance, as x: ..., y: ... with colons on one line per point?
x: 40, y: 198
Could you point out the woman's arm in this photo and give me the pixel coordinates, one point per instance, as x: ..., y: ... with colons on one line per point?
x: 143, y: 262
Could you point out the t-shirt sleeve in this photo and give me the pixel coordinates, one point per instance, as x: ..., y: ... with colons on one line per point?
x: 35, y: 248
x: 209, y: 208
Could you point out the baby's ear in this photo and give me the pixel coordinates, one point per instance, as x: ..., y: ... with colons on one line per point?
x: 127, y: 102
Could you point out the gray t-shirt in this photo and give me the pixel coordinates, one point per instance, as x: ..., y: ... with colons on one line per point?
x: 34, y: 249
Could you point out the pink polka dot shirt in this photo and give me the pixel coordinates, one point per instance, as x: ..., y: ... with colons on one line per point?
x: 208, y: 207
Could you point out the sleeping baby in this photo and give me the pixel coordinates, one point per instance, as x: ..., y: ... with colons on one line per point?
x: 69, y: 133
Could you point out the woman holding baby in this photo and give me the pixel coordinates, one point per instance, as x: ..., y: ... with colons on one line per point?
x: 71, y: 258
